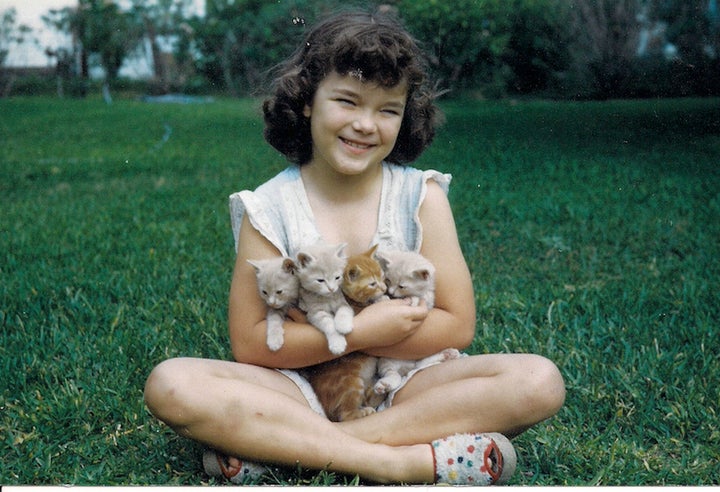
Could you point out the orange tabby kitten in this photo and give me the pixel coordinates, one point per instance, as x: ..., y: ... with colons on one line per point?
x: 363, y: 280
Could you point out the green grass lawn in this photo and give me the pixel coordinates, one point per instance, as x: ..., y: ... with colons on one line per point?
x: 592, y: 231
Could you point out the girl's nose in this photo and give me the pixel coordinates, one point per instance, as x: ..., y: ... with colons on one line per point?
x: 364, y: 123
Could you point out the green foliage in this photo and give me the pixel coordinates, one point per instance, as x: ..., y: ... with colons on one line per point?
x: 240, y: 41
x: 465, y: 39
x: 493, y: 47
x: 591, y: 230
x: 538, y: 48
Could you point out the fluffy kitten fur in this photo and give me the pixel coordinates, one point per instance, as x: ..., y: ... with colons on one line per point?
x: 409, y: 274
x: 279, y: 288
x: 363, y: 280
x: 352, y: 386
x: 320, y: 271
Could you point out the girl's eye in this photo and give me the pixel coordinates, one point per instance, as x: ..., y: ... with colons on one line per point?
x: 348, y: 102
x: 391, y: 112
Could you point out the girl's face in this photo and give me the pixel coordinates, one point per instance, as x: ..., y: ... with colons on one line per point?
x: 354, y: 125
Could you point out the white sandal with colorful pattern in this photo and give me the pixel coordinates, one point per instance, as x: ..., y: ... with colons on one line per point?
x: 474, y: 459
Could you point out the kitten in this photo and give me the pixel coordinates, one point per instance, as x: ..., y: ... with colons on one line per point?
x: 392, y: 371
x: 279, y: 288
x: 344, y: 386
x: 363, y: 280
x: 409, y: 274
x: 352, y: 386
x: 320, y: 270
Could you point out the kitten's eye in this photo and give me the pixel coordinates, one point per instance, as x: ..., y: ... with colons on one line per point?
x: 372, y: 284
x: 320, y: 280
x: 264, y: 292
x: 401, y: 286
x: 279, y: 292
x: 338, y: 277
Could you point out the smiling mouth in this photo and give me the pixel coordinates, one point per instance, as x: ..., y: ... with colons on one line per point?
x: 356, y: 145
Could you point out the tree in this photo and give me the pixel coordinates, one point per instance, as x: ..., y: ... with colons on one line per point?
x: 693, y: 29
x: 465, y: 39
x: 11, y: 35
x: 538, y: 48
x: 107, y: 32
x: 606, y: 34
x: 164, y: 21
x: 240, y: 40
x: 100, y: 29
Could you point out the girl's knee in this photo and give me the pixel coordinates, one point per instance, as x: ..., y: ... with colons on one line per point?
x: 162, y: 388
x: 546, y: 387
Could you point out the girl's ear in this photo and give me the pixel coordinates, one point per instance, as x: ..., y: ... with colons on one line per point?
x: 307, y: 111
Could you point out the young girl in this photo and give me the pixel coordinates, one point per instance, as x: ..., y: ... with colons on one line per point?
x: 349, y: 109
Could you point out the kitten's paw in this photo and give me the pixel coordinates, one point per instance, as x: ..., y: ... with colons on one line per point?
x: 275, y: 336
x: 337, y: 344
x: 414, y: 301
x: 383, y: 387
x: 275, y: 343
x: 358, y: 414
x: 450, y: 354
x: 380, y: 388
x: 344, y: 321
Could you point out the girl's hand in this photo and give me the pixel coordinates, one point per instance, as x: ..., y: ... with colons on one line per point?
x: 386, y: 323
x: 297, y: 315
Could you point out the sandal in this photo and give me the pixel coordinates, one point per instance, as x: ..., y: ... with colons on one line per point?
x: 473, y: 459
x: 217, y: 464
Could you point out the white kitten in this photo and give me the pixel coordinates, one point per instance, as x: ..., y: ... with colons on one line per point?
x: 320, y: 271
x: 408, y: 275
x: 279, y: 287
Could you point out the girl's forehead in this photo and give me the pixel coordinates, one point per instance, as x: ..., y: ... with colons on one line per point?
x: 353, y: 81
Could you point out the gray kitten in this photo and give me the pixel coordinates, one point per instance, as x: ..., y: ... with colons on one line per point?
x: 408, y: 275
x: 320, y: 271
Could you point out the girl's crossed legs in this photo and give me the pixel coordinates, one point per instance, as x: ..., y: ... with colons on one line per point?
x: 260, y: 414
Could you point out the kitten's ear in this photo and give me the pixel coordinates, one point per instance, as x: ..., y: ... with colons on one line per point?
x: 289, y: 266
x: 353, y: 273
x: 340, y: 250
x: 255, y: 265
x: 304, y: 259
x: 422, y: 273
x: 383, y: 260
x: 371, y: 252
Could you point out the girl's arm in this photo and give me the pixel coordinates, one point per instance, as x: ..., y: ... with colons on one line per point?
x: 247, y: 311
x: 451, y: 323
x: 304, y: 345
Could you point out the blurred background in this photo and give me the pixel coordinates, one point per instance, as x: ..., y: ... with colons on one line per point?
x: 560, y: 49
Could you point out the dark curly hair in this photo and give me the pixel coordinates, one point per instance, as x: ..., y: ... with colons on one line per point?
x: 375, y: 45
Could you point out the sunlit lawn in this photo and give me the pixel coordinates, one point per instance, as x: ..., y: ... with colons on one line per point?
x: 592, y: 230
